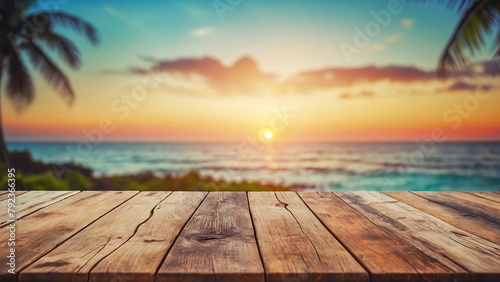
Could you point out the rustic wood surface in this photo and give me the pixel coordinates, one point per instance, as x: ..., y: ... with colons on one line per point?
x: 75, y: 258
x: 295, y: 245
x: 218, y: 242
x: 40, y: 232
x: 30, y: 202
x: 139, y: 258
x: 459, y: 209
x: 453, y: 247
x: 493, y: 196
x: 5, y: 195
x: 385, y: 255
x: 255, y: 236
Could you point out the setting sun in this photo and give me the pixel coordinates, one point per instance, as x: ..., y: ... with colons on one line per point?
x: 268, y: 135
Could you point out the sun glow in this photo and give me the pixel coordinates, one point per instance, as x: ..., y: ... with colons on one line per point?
x: 268, y: 135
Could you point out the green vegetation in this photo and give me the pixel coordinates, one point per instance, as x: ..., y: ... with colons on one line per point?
x: 35, y: 175
x: 478, y: 20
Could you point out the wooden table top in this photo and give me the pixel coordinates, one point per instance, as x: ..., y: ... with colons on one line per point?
x: 255, y: 236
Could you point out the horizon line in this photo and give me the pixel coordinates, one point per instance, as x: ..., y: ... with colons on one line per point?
x: 276, y: 142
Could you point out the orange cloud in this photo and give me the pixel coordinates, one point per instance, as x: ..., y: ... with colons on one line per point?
x: 244, y: 77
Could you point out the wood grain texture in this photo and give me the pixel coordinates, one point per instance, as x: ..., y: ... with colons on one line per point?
x: 217, y: 244
x: 385, y: 256
x: 41, y: 231
x: 294, y: 244
x: 139, y: 258
x: 340, y: 236
x: 438, y: 239
x: 464, y: 196
x: 480, y: 217
x: 74, y: 259
x: 32, y: 201
x: 493, y: 196
x: 5, y: 195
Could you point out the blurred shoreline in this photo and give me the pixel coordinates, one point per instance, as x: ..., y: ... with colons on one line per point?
x: 37, y: 175
x: 450, y: 166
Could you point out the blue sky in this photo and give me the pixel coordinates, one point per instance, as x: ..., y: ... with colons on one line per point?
x: 293, y: 61
x: 304, y: 34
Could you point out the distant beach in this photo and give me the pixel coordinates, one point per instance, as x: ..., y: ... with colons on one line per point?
x: 299, y: 166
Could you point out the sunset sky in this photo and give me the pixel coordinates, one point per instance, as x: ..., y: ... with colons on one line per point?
x: 182, y: 71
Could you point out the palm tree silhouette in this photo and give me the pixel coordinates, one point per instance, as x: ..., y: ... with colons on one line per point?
x: 479, y: 18
x: 21, y: 31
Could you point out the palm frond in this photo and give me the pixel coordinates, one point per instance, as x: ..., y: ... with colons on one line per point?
x: 19, y: 88
x: 7, y: 5
x: 63, y: 46
x: 459, y: 5
x: 496, y: 56
x: 497, y: 46
x: 50, y: 71
x: 68, y: 20
x: 468, y: 36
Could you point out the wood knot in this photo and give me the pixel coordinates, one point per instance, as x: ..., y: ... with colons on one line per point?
x: 208, y: 237
x: 57, y: 263
x: 152, y: 241
x: 213, y: 237
x: 281, y: 205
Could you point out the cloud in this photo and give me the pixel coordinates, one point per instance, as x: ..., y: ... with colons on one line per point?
x: 307, y: 81
x: 116, y: 13
x: 394, y: 38
x: 362, y: 94
x: 480, y: 69
x: 201, y: 32
x: 375, y: 47
x: 241, y: 78
x: 244, y: 77
x: 407, y: 23
x: 460, y: 85
x: 464, y: 86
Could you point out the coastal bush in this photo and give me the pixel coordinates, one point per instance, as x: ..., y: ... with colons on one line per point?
x: 75, y: 180
x: 36, y: 175
x: 43, y: 181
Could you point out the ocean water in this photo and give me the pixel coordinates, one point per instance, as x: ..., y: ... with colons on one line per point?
x: 309, y: 166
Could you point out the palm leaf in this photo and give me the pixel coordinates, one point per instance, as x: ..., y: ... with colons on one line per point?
x: 19, y: 88
x: 496, y: 57
x: 64, y: 47
x: 468, y: 37
x: 50, y: 71
x: 497, y: 46
x: 68, y: 20
x: 451, y: 4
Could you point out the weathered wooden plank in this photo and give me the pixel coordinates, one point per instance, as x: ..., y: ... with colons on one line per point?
x: 217, y: 244
x: 431, y: 235
x: 295, y: 245
x: 41, y: 231
x: 477, y: 217
x: 139, y: 258
x: 32, y: 201
x: 5, y: 196
x: 385, y: 256
x: 74, y: 259
x: 493, y: 196
x: 466, y: 197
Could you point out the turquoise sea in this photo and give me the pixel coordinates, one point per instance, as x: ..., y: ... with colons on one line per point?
x: 309, y: 166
